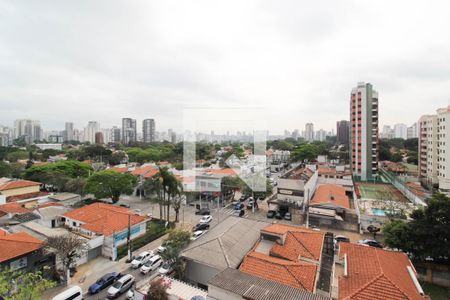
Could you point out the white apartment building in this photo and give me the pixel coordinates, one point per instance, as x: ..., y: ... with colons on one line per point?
x: 309, y: 132
x: 400, y: 131
x: 89, y: 132
x: 434, y: 149
x: 28, y: 129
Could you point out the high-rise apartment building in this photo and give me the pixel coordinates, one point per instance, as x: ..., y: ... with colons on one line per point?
x: 89, y: 132
x: 412, y: 132
x: 321, y: 135
x: 99, y: 138
x: 28, y: 129
x: 400, y: 131
x: 309, y: 132
x: 434, y: 149
x: 364, y: 131
x: 129, y: 132
x: 6, y: 136
x: 342, y: 132
x: 148, y: 130
x: 115, y: 135
x: 68, y: 131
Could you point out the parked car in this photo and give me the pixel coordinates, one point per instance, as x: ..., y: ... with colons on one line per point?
x: 279, y: 214
x: 74, y: 293
x: 166, y: 267
x: 271, y: 214
x: 243, y: 198
x: 239, y: 206
x: 130, y: 294
x: 103, y: 282
x: 205, y: 219
x: 126, y: 205
x: 197, y: 234
x: 288, y: 216
x: 203, y: 226
x: 141, y: 259
x: 152, y: 264
x: 371, y: 243
x: 203, y: 211
x: 252, y: 203
x: 121, y: 286
x: 341, y: 238
x: 239, y: 213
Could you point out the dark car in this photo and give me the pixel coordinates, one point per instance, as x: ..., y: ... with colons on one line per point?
x: 239, y: 213
x: 104, y: 282
x: 239, y: 206
x: 271, y: 214
x: 279, y: 215
x: 203, y: 226
x: 243, y: 198
x: 203, y: 211
x: 371, y: 243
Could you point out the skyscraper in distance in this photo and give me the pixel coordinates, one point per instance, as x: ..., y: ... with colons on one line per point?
x: 342, y: 132
x: 364, y: 131
x: 68, y: 131
x: 148, y: 130
x: 309, y: 132
x: 129, y: 132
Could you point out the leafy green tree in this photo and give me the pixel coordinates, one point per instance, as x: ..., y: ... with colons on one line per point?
x: 69, y: 168
x: 18, y: 285
x: 305, y: 152
x: 110, y: 184
x: 158, y: 289
x: 16, y: 155
x: 76, y: 185
x: 397, y: 157
x: 427, y: 235
x: 178, y: 238
x: 5, y: 169
x: 412, y: 158
x: 153, y: 186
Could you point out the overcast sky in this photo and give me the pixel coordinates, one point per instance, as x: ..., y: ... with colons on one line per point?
x: 298, y: 60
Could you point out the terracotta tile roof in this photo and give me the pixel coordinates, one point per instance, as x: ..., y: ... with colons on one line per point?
x: 103, y: 218
x: 3, y: 232
x: 226, y: 171
x: 151, y: 173
x: 17, y: 244
x: 332, y: 194
x: 144, y: 170
x: 376, y: 274
x: 294, y: 274
x: 119, y: 169
x: 14, y: 208
x: 327, y: 171
x: 15, y: 184
x: 49, y: 204
x: 26, y: 196
x: 300, y: 244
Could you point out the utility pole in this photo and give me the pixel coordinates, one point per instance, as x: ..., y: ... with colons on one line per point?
x: 129, y: 236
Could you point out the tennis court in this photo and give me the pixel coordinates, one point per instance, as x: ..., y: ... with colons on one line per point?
x: 380, y: 192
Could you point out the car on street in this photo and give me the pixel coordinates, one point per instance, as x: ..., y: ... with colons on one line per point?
x: 121, y: 286
x: 239, y: 213
x: 166, y: 267
x: 103, y: 282
x: 252, y: 203
x: 341, y: 238
x: 197, y: 234
x: 371, y: 243
x: 239, y: 206
x: 203, y: 211
x: 288, y: 216
x: 243, y: 198
x: 152, y: 264
x: 200, y: 227
x: 205, y: 219
x: 126, y: 205
x: 279, y: 214
x: 141, y: 259
x: 270, y: 214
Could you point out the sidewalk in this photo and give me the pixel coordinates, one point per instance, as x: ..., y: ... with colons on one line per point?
x: 89, y: 272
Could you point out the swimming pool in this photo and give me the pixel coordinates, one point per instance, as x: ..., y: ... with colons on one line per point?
x: 378, y: 212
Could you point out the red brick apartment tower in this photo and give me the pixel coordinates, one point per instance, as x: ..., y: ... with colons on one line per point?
x: 364, y: 131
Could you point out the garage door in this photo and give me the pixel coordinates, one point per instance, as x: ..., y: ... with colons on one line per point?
x: 93, y: 253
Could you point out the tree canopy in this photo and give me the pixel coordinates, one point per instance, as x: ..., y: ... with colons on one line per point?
x: 110, y: 184
x: 18, y: 285
x: 427, y: 235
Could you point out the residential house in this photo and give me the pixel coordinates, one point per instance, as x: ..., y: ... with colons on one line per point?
x: 377, y: 274
x: 13, y: 188
x: 105, y: 224
x: 66, y: 199
x: 224, y: 246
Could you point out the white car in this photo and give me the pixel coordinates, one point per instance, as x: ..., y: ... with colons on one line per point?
x: 141, y: 259
x: 161, y: 249
x: 197, y: 234
x: 166, y: 268
x: 152, y: 264
x: 205, y: 219
x: 121, y: 286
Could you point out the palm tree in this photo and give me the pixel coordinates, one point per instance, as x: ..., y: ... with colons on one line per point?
x: 154, y: 186
x: 175, y: 191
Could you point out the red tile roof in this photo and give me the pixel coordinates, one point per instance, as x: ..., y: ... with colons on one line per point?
x: 47, y: 204
x: 17, y: 244
x: 26, y: 196
x: 327, y: 171
x: 14, y: 208
x: 151, y: 173
x: 16, y: 184
x: 300, y: 245
x: 294, y: 274
x: 376, y: 274
x: 119, y: 169
x: 332, y: 194
x: 226, y: 171
x: 103, y: 218
x: 144, y: 170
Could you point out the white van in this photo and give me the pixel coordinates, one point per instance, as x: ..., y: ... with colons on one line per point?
x: 73, y: 293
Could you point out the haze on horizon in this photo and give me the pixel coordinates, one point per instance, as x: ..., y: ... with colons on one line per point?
x: 103, y: 60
